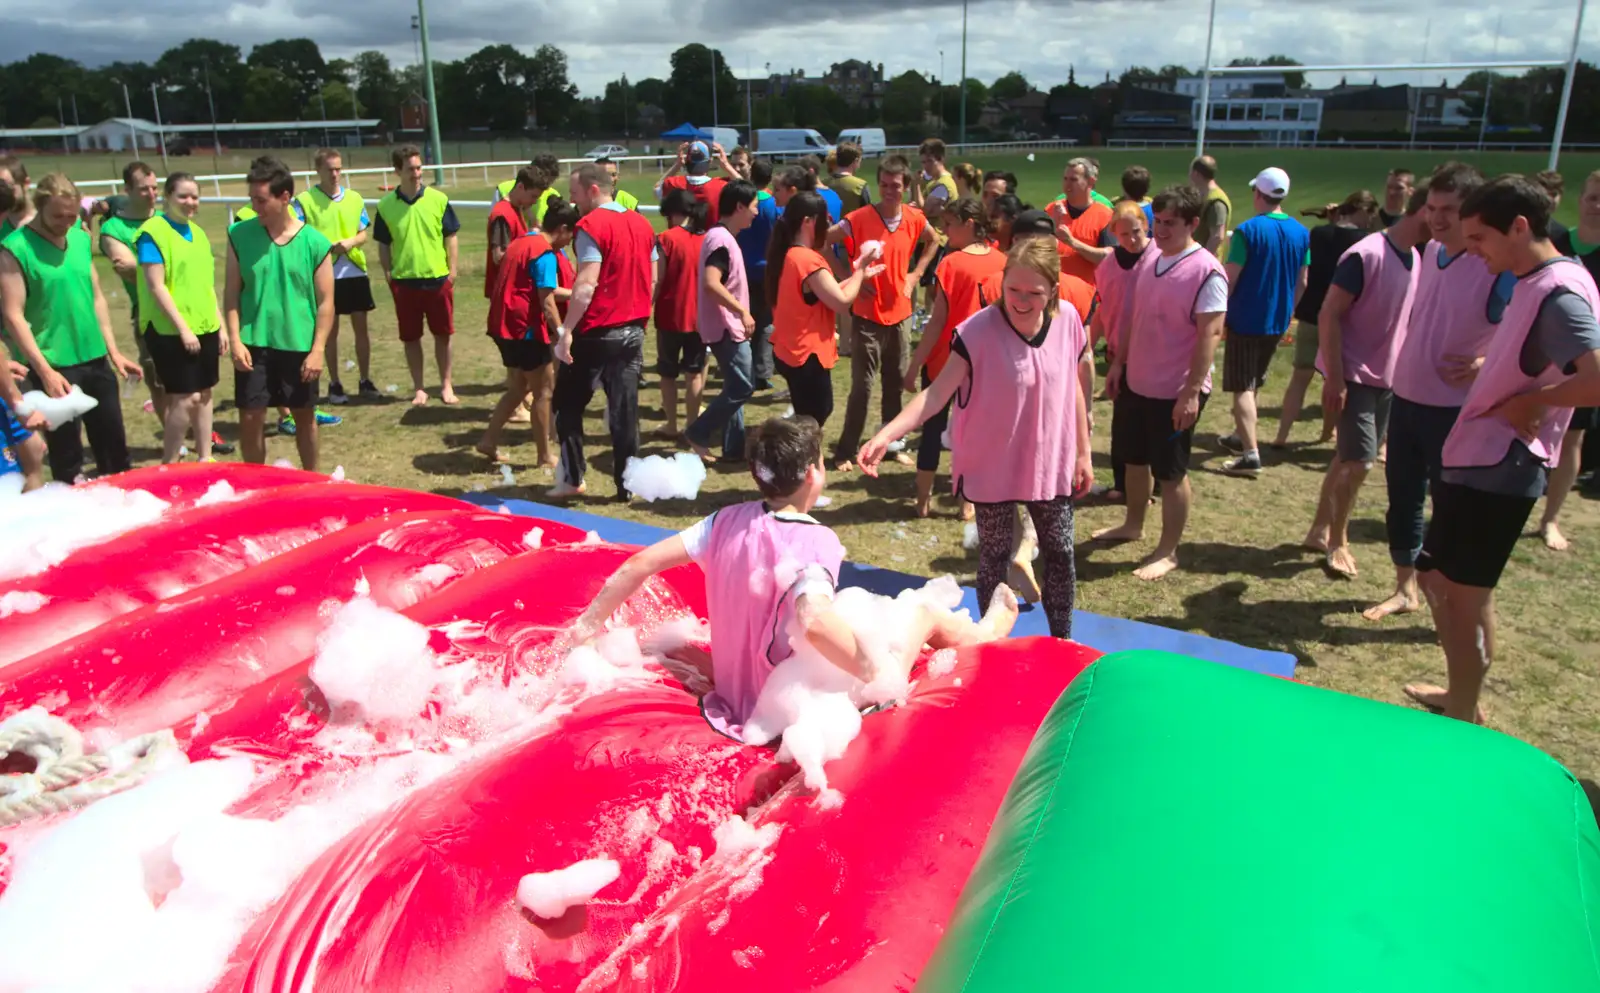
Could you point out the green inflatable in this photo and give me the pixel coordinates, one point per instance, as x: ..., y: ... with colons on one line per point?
x: 1180, y: 826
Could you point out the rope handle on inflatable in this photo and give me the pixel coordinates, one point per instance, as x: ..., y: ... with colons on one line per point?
x: 64, y: 778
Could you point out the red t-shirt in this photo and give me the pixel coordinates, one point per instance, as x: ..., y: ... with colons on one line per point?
x: 677, y: 296
x: 708, y: 192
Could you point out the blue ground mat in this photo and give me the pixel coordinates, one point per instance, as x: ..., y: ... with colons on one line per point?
x: 1108, y: 634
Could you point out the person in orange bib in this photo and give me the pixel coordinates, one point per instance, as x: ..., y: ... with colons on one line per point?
x: 1083, y: 225
x: 879, y: 335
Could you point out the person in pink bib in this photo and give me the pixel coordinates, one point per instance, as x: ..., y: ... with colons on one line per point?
x: 1361, y: 328
x: 1543, y: 361
x: 1019, y: 428
x: 772, y: 569
x: 1114, y: 279
x: 1160, y: 377
x: 1458, y: 305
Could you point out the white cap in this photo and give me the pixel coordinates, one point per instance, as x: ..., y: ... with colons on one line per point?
x: 1272, y: 182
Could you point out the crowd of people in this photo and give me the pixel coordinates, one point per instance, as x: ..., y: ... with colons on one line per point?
x: 1453, y: 325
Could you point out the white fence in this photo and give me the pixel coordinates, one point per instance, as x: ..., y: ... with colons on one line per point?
x: 1212, y: 141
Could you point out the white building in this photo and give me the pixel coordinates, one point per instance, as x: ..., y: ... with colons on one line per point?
x: 1225, y: 86
x: 119, y: 134
x: 1281, y: 120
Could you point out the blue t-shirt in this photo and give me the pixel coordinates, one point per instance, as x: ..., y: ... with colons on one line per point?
x: 149, y: 254
x: 754, y: 239
x: 1273, y: 249
x: 544, y: 270
x: 835, y: 205
x: 1149, y: 217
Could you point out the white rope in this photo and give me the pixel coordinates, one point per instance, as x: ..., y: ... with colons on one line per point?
x: 64, y: 777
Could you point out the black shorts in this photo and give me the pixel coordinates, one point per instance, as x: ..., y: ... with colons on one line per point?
x: 524, y: 354
x: 930, y: 275
x: 1364, y: 422
x: 1472, y: 533
x: 1584, y: 419
x: 679, y: 352
x: 1245, y: 361
x: 353, y: 295
x: 180, y: 371
x: 273, y: 381
x: 1141, y: 431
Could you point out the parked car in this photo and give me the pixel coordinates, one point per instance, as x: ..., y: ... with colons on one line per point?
x: 778, y: 143
x: 605, y: 152
x: 870, y: 140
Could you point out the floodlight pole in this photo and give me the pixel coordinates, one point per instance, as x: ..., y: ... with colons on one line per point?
x: 1205, y: 86
x: 962, y: 138
x: 1488, y: 85
x: 1566, y: 87
x: 433, y: 104
x: 133, y: 133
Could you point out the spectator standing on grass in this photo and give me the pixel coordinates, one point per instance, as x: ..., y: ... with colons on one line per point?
x: 969, y: 181
x: 805, y: 296
x: 1218, y: 209
x: 1011, y: 446
x: 339, y: 214
x: 1136, y: 188
x: 1459, y: 306
x: 416, y: 233
x: 1348, y: 223
x: 532, y: 289
x: 1362, y: 328
x: 1267, y: 258
x: 1161, y: 377
x: 854, y: 193
x: 679, y: 348
x: 1082, y: 223
x: 739, y: 160
x: 547, y: 168
x: 726, y: 323
x: 1583, y: 244
x: 1003, y: 213
x: 278, y: 312
x: 1543, y: 361
x: 1553, y: 184
x: 1397, y: 187
x: 14, y: 173
x: 601, y: 343
x: 998, y: 183
x: 753, y: 242
x: 182, y: 323
x: 1115, y: 279
x: 692, y: 171
x: 59, y: 323
x: 118, y: 233
x: 880, y: 345
x: 619, y: 196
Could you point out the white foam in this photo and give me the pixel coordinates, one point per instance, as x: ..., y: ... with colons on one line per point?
x: 57, y: 410
x: 534, y: 538
x: 870, y: 251
x: 220, y: 491
x: 551, y: 894
x: 43, y: 528
x: 736, y: 836
x: 613, y: 659
x: 969, y: 536
x: 374, y: 665
x: 337, y: 475
x: 282, y: 464
x: 658, y: 478
x: 507, y: 477
x: 942, y: 662
x: 21, y: 602
x: 591, y: 538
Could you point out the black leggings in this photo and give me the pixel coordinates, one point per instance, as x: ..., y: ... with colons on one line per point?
x: 930, y: 447
x: 810, y: 388
x: 1053, y: 520
x: 103, y: 424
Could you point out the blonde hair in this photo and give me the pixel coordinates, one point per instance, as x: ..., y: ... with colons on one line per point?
x: 1128, y: 210
x: 53, y: 186
x: 1039, y: 256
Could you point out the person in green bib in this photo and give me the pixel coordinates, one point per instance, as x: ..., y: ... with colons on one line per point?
x: 416, y: 232
x: 1218, y: 208
x: 621, y: 197
x: 14, y: 174
x: 118, y: 233
x: 52, y: 306
x: 278, y: 311
x: 339, y: 214
x: 548, y: 169
x: 181, y: 324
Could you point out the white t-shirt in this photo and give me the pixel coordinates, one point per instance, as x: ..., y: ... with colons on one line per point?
x: 1213, y: 295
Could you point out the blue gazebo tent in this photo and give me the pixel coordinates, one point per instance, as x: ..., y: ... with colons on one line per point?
x: 686, y: 132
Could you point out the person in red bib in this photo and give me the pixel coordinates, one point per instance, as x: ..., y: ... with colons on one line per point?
x: 679, y: 348
x: 692, y: 172
x: 506, y: 223
x: 532, y: 288
x: 880, y: 345
x: 601, y: 341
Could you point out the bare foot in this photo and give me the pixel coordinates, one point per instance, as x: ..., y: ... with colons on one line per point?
x: 562, y: 490
x: 1553, y: 538
x: 667, y: 432
x: 1154, y: 567
x: 1001, y: 616
x: 493, y: 454
x: 550, y: 462
x: 843, y: 465
x: 1316, y: 540
x: 1122, y: 532
x: 1435, y: 698
x: 703, y: 452
x: 1400, y: 603
x: 420, y: 399
x: 904, y: 458
x: 924, y: 507
x: 1342, y: 562
x: 968, y: 511
x: 448, y: 395
x: 1022, y: 580
x: 520, y: 416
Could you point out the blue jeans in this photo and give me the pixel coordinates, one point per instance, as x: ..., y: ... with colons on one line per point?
x: 727, y: 410
x: 1416, y: 449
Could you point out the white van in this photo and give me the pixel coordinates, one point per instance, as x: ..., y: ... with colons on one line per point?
x: 777, y: 143
x: 870, y: 140
x: 728, y: 138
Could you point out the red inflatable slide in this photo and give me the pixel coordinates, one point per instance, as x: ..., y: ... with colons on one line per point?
x: 293, y: 734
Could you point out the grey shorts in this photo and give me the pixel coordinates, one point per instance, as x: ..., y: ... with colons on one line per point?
x: 1364, y: 422
x: 1246, y: 359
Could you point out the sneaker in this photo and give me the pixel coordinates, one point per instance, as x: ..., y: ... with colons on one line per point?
x: 369, y: 390
x: 336, y: 393
x: 219, y: 446
x: 1232, y: 443
x: 286, y: 426
x: 326, y: 420
x: 1247, y: 466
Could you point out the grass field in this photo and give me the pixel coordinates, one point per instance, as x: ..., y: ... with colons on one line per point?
x: 1244, y: 579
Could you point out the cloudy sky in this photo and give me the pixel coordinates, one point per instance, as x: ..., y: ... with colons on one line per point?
x: 604, y: 38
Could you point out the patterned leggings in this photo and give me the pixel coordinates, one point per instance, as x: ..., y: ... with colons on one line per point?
x: 1053, y: 521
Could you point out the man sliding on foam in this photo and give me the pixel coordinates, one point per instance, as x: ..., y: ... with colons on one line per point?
x: 771, y: 572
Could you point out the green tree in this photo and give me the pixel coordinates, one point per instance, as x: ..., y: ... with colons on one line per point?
x: 378, y: 89
x: 977, y: 96
x: 816, y: 106
x: 496, y: 95
x: 1293, y: 80
x: 1174, y: 71
x: 1010, y: 86
x: 689, y: 87
x: 298, y: 60
x: 554, y: 98
x: 906, y: 98
x: 185, y: 69
x: 335, y: 101
x: 269, y: 95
